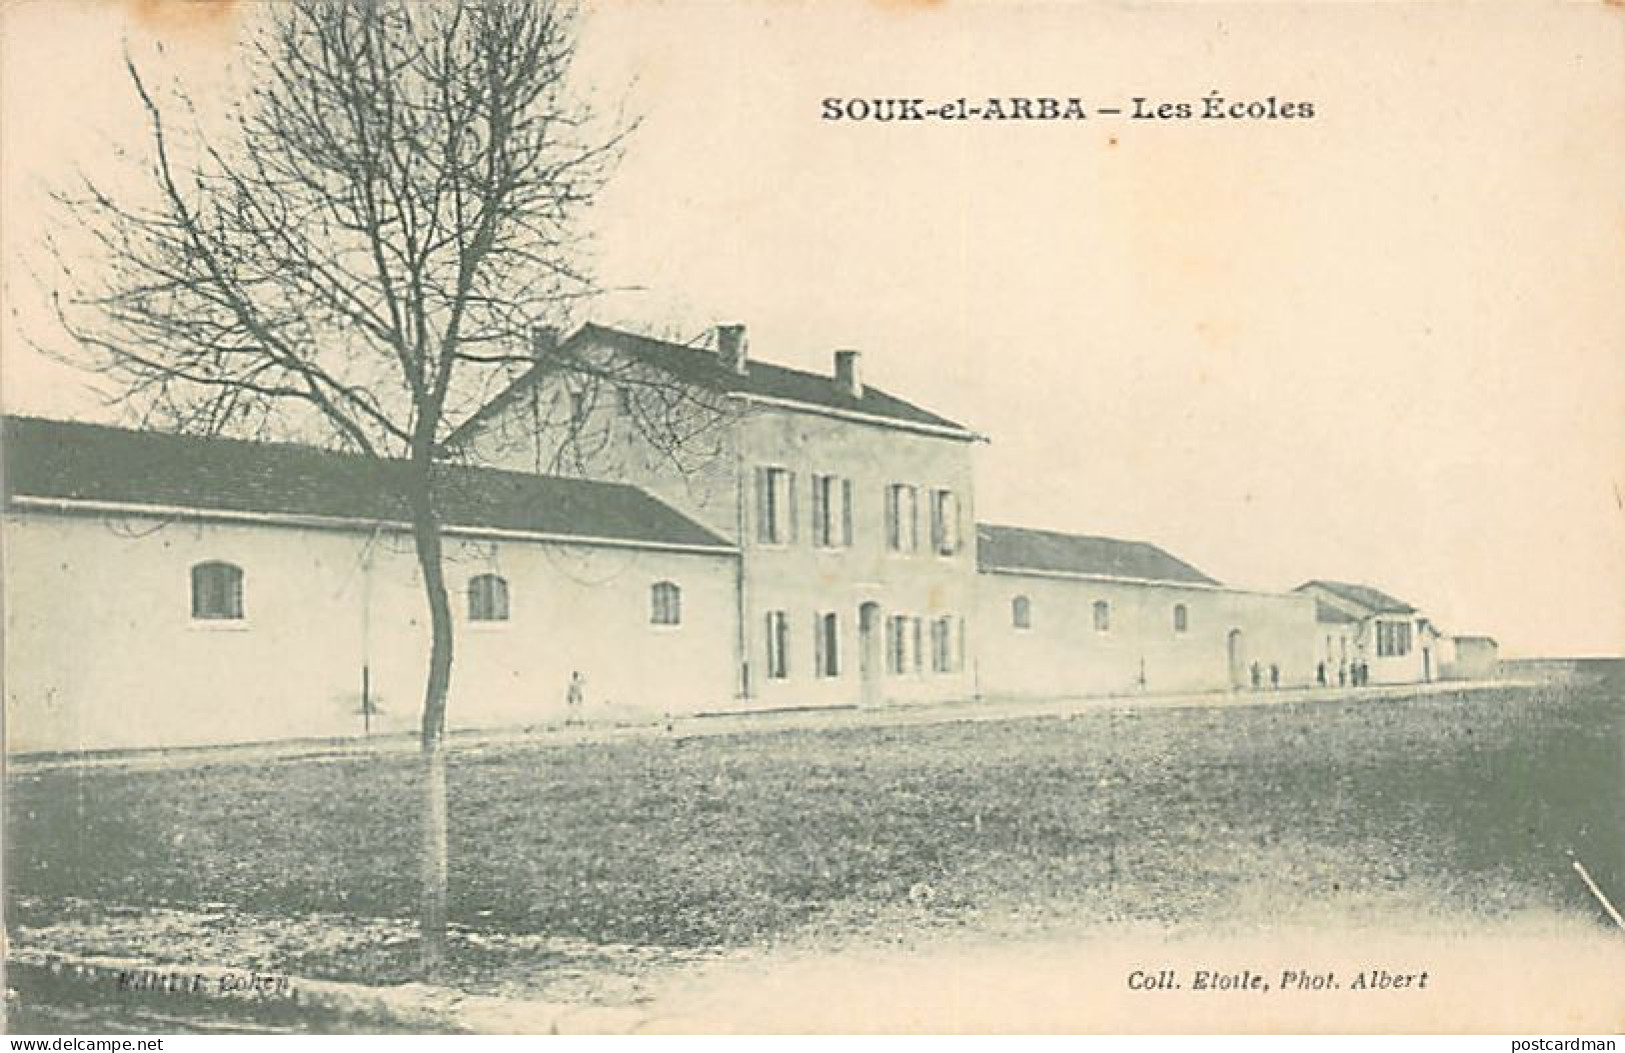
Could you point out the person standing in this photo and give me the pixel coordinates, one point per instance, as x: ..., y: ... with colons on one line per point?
x: 575, y: 697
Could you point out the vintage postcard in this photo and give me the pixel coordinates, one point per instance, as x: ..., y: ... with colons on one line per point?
x: 936, y: 517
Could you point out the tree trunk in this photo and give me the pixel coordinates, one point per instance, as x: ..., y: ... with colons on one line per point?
x: 435, y: 847
x: 433, y: 862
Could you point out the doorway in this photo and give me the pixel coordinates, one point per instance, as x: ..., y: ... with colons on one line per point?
x: 1238, y: 660
x: 869, y: 652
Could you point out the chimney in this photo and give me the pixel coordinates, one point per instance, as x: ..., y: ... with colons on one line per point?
x: 847, y: 377
x: 731, y: 347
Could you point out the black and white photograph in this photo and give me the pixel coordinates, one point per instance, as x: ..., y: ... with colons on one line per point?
x: 654, y: 517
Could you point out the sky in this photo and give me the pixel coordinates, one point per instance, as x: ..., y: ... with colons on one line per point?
x: 1385, y: 344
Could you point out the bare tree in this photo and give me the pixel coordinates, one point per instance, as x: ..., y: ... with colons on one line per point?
x: 361, y: 257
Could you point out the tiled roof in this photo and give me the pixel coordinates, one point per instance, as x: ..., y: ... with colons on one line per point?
x: 72, y: 461
x: 703, y: 368
x: 1017, y: 549
x: 1325, y: 612
x: 1373, y: 600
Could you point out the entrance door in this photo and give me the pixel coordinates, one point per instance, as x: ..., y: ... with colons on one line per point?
x: 1238, y: 660
x: 869, y: 652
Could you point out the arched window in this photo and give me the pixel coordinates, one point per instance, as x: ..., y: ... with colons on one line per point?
x: 1182, y: 618
x: 1103, y: 616
x: 487, y: 598
x: 1021, y: 612
x: 217, y: 591
x: 665, y: 604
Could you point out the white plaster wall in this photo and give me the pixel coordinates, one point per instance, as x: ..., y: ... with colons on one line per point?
x: 101, y: 650
x: 802, y: 579
x: 1407, y: 668
x: 1063, y: 654
x: 1385, y: 669
x: 1469, y: 659
x: 1337, y: 644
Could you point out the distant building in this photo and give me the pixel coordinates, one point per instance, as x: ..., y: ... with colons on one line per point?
x: 1063, y: 613
x: 1470, y: 658
x: 1357, y: 624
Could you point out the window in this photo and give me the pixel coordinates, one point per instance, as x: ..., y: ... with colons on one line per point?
x: 832, y: 511
x: 1021, y: 612
x: 1103, y: 616
x: 947, y: 647
x: 1393, y: 639
x: 828, y: 636
x: 902, y: 518
x: 944, y: 522
x: 1182, y: 618
x: 487, y: 598
x: 217, y: 592
x: 665, y: 604
x: 905, y: 650
x: 903, y: 644
x: 775, y: 506
x: 778, y: 645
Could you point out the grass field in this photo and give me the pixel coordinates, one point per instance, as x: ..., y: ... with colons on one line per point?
x: 1455, y: 809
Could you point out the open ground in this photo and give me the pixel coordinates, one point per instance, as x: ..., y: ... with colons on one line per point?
x: 596, y: 871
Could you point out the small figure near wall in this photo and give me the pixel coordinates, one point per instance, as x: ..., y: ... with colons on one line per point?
x: 575, y: 697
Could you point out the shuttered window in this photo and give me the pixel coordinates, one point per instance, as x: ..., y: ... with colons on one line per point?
x: 902, y: 518
x: 778, y: 645
x: 942, y: 645
x: 217, y: 591
x: 944, y: 522
x: 665, y: 603
x: 827, y: 634
x: 487, y: 598
x: 775, y: 506
x: 897, y: 644
x: 831, y: 511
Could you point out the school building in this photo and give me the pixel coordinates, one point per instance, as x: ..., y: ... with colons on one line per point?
x: 811, y: 541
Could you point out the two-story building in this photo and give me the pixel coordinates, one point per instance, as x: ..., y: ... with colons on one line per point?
x: 851, y: 508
